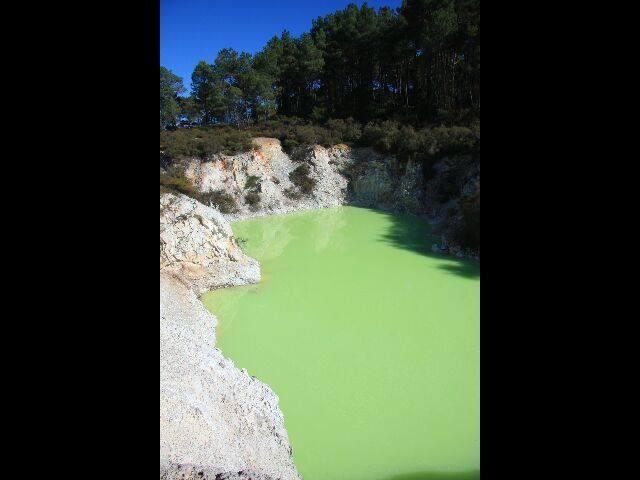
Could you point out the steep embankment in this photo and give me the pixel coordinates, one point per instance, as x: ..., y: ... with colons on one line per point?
x: 215, y: 420
x: 340, y: 175
x: 197, y: 246
x: 265, y: 171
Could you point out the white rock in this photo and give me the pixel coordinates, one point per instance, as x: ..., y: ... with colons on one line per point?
x: 197, y: 246
x: 212, y: 415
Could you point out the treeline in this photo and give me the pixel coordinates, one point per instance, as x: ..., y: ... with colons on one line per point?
x: 419, y: 64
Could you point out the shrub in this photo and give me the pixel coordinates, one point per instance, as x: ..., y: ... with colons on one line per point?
x: 289, y: 144
x: 293, y: 193
x: 407, y: 143
x: 173, y: 180
x: 447, y: 141
x: 301, y: 179
x: 253, y: 184
x: 203, y: 142
x: 252, y: 199
x: 294, y: 132
x: 382, y: 136
x: 225, y: 202
x: 389, y: 136
x: 309, y: 135
x: 342, y: 131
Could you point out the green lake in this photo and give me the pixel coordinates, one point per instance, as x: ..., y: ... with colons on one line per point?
x: 371, y: 342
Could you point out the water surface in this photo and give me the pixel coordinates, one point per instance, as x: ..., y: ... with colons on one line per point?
x: 370, y: 341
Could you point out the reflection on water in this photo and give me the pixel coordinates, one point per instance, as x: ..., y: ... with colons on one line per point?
x: 326, y: 228
x: 268, y: 241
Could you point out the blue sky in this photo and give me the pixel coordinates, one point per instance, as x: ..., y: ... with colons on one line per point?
x: 194, y: 30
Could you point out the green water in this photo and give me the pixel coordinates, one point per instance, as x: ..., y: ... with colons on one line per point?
x: 371, y: 342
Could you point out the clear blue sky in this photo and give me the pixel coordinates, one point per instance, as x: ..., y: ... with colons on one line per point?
x: 194, y: 30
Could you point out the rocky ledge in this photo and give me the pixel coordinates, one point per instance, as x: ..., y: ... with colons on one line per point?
x: 197, y: 247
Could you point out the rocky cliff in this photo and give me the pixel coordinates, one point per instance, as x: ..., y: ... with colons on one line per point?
x: 197, y: 247
x: 258, y: 183
x: 341, y: 175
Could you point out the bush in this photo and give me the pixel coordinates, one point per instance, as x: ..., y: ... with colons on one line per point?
x: 224, y: 201
x: 343, y: 131
x: 381, y: 136
x: 389, y: 136
x: 293, y: 193
x: 407, y: 143
x: 253, y: 184
x: 309, y: 135
x: 448, y: 141
x: 173, y: 180
x: 203, y: 142
x: 252, y: 199
x: 301, y: 179
x: 294, y: 132
x: 289, y: 144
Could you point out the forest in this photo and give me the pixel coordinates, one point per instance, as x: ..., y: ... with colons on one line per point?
x: 418, y: 64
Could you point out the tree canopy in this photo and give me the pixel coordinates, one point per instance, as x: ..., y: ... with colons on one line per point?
x: 170, y: 87
x: 419, y: 63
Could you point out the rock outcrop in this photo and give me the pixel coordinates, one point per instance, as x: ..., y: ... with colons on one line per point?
x: 197, y: 246
x: 382, y: 182
x: 453, y: 190
x: 265, y: 170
